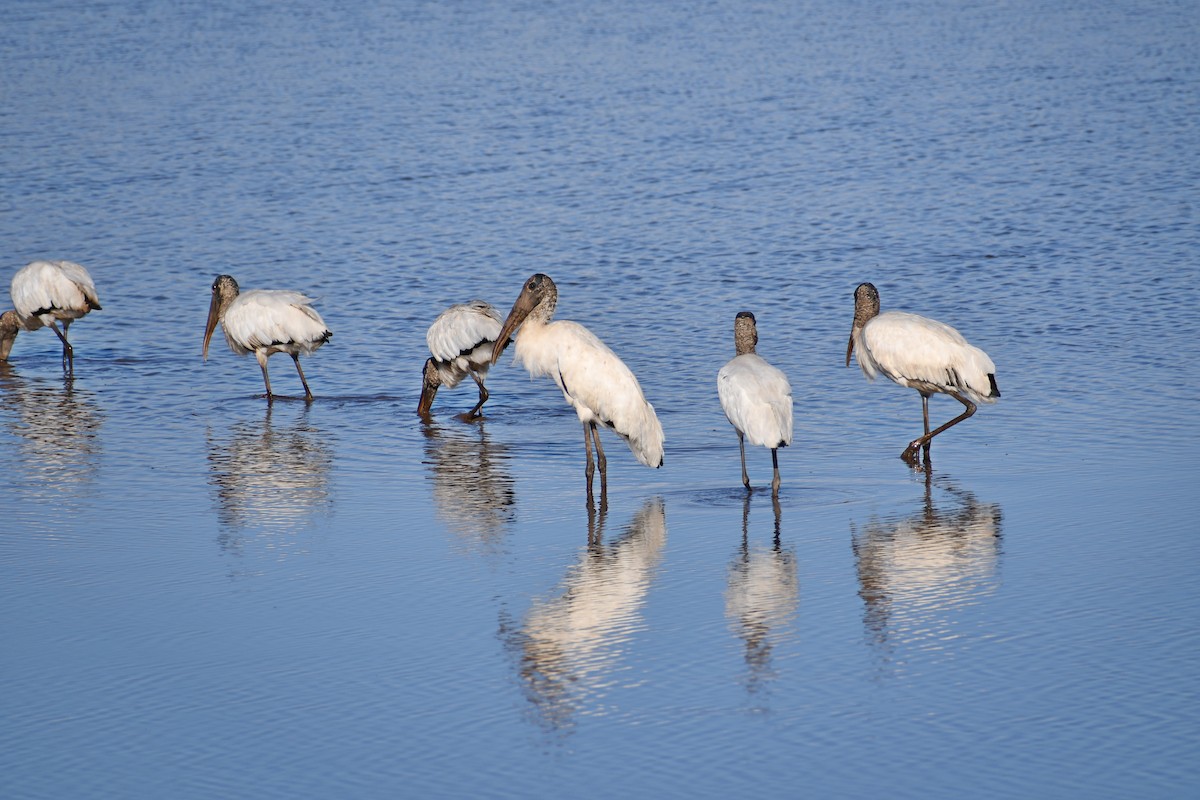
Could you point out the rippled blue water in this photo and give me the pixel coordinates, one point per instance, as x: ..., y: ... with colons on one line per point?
x: 207, y: 596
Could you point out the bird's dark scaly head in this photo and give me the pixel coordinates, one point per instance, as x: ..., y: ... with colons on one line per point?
x: 866, y: 306
x: 538, y: 294
x: 745, y: 332
x: 10, y: 326
x: 430, y: 381
x: 224, y: 290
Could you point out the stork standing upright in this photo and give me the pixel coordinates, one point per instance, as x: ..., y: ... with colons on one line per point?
x: 44, y: 293
x: 596, y: 383
x: 460, y: 344
x: 922, y: 354
x: 756, y: 396
x: 265, y: 321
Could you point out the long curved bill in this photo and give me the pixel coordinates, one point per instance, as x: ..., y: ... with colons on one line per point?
x: 426, y: 401
x: 520, y: 311
x: 214, y: 316
x: 850, y: 346
x: 428, y: 390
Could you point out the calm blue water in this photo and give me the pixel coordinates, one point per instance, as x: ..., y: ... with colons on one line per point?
x: 210, y: 597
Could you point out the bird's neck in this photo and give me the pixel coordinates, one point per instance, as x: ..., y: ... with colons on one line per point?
x: 544, y: 310
x: 745, y: 336
x: 864, y: 313
x: 535, y: 347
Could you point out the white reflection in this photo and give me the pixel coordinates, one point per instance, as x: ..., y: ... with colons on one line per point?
x: 269, y: 475
x: 57, y: 432
x: 761, y: 599
x: 472, y: 489
x: 569, y: 645
x: 917, y: 572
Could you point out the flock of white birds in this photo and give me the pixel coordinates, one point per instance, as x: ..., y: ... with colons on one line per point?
x: 467, y: 339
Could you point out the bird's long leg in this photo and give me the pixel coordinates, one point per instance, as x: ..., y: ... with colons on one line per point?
x: 910, y: 452
x: 483, y: 396
x: 262, y: 362
x: 742, y: 453
x: 68, y: 355
x: 925, y: 414
x: 600, y: 462
x: 775, y: 482
x: 308, y: 395
x: 590, y: 469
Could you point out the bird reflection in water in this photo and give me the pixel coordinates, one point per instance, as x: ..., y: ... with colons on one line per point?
x: 57, y: 431
x: 761, y: 599
x: 472, y: 489
x: 916, y: 572
x: 568, y: 646
x: 268, y: 475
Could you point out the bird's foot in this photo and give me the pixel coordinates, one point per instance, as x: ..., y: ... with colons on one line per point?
x: 911, y: 457
x: 468, y: 416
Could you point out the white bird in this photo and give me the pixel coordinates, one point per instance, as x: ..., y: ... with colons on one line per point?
x: 593, y: 380
x: 922, y: 354
x: 44, y: 293
x: 460, y: 343
x: 265, y: 321
x: 756, y: 396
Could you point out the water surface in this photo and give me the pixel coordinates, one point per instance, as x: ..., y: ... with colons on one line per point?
x: 210, y: 596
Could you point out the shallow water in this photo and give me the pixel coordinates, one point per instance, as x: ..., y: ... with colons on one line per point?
x: 210, y: 596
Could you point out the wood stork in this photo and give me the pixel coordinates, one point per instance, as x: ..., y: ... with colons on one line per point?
x: 265, y: 321
x: 460, y: 343
x: 756, y: 396
x: 43, y: 294
x: 923, y: 354
x: 593, y: 380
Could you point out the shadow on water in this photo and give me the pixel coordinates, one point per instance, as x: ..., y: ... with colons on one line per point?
x: 268, y: 475
x: 568, y: 645
x: 472, y: 489
x: 761, y: 598
x: 57, y: 430
x: 915, y: 572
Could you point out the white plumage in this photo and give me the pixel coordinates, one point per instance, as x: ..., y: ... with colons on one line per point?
x: 278, y: 320
x: 922, y: 354
x: 914, y: 351
x: 756, y: 397
x: 264, y: 322
x: 460, y: 344
x: 597, y: 384
x: 43, y: 294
